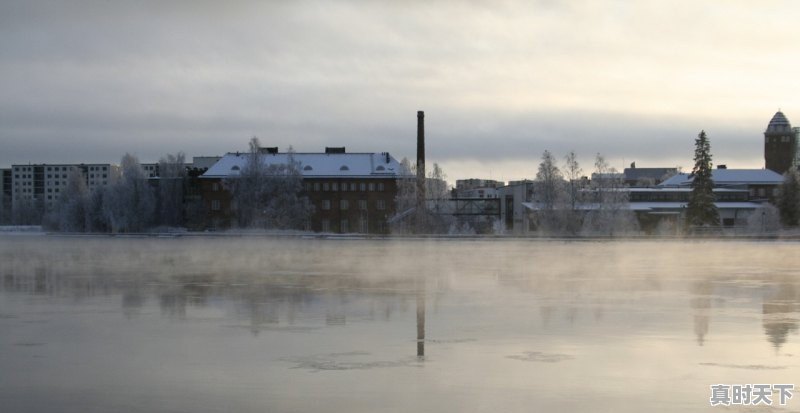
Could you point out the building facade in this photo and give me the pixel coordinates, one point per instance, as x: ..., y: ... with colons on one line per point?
x: 350, y: 192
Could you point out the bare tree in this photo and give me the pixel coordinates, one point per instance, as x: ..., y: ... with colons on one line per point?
x: 549, y: 195
x: 269, y: 196
x: 71, y: 208
x: 129, y: 204
x: 574, y: 176
x: 610, y: 213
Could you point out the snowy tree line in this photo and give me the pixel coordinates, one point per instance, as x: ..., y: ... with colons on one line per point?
x: 567, y: 203
x: 132, y: 203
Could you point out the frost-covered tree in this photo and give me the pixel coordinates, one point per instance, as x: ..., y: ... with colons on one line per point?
x: 71, y: 208
x: 766, y: 219
x: 129, y: 204
x: 172, y: 174
x: 573, y: 175
x: 269, y: 196
x: 701, y: 210
x: 549, y: 194
x: 406, y: 197
x: 96, y: 220
x: 789, y: 199
x: 610, y: 214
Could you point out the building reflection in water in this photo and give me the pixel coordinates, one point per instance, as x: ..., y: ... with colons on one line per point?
x: 701, y: 308
x: 778, y: 312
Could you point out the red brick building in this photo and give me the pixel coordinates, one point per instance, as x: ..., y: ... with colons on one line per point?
x: 350, y: 192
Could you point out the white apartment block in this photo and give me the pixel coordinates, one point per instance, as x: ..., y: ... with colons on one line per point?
x: 45, y: 182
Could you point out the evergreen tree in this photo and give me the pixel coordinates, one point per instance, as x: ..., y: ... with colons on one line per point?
x: 702, y: 211
x: 789, y: 201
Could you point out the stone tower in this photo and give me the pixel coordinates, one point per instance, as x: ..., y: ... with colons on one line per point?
x: 780, y: 144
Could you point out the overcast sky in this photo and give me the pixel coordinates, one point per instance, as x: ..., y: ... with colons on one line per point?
x: 499, y: 81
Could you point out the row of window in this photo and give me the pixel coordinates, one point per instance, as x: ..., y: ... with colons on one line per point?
x: 344, y: 205
x: 345, y: 186
x: 344, y: 226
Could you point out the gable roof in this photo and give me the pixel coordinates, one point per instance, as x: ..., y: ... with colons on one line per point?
x: 730, y: 177
x: 316, y: 165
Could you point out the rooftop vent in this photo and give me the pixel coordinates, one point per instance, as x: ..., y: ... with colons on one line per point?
x: 334, y: 149
x: 344, y: 168
x: 307, y: 168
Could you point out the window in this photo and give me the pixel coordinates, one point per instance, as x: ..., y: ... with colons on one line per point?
x: 762, y: 192
x: 326, y: 186
x: 371, y: 186
x: 352, y: 186
x: 235, y: 168
x: 215, y: 205
x: 362, y: 205
x: 363, y: 225
x: 334, y: 186
x: 344, y: 186
x: 316, y: 186
x: 344, y: 168
x: 345, y: 227
x: 326, y: 225
x: 380, y: 186
x: 380, y: 168
x: 344, y: 204
x: 307, y: 168
x: 326, y: 204
x: 380, y: 205
x: 308, y: 187
x: 215, y: 187
x: 362, y: 186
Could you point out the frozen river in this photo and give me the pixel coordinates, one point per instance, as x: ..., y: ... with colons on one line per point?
x: 95, y: 324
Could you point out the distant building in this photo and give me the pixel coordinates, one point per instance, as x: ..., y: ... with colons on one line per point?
x: 514, y: 216
x: 643, y: 177
x: 476, y: 188
x: 41, y: 185
x: 780, y: 144
x: 761, y: 184
x: 350, y: 192
x: 5, y: 196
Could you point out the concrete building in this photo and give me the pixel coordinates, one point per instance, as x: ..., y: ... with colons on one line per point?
x: 780, y: 144
x: 41, y: 185
x: 514, y: 216
x: 5, y: 196
x: 350, y: 192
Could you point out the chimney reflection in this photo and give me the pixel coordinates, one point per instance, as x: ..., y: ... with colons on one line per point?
x: 420, y: 317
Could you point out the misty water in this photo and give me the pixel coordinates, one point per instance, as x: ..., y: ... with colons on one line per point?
x: 256, y: 324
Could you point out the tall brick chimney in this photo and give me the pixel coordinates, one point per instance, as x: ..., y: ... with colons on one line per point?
x: 420, y: 162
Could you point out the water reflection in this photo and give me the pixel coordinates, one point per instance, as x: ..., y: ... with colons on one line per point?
x: 780, y: 313
x: 491, y: 317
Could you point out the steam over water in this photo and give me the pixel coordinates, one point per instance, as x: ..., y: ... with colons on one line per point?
x: 97, y: 324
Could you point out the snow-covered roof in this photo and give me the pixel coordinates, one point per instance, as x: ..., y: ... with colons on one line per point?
x: 730, y: 177
x: 654, y: 206
x: 316, y: 165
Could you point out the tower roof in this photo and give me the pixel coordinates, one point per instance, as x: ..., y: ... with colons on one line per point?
x: 779, y: 123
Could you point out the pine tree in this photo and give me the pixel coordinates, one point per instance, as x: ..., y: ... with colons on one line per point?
x: 702, y: 211
x: 789, y: 201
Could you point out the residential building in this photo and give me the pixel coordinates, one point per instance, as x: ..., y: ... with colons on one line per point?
x: 350, y: 192
x: 5, y: 196
x: 41, y: 185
